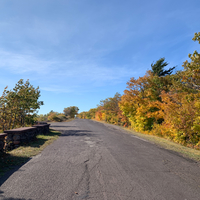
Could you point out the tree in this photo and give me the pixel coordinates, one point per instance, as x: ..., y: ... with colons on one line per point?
x: 180, y: 106
x: 83, y: 115
x: 191, y: 73
x: 196, y: 37
x: 19, y: 106
x: 91, y: 113
x: 108, y: 109
x: 26, y: 100
x: 42, y: 118
x: 158, y: 68
x: 141, y: 100
x: 53, y: 116
x: 71, y: 111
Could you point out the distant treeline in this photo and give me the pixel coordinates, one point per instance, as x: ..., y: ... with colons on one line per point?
x: 68, y: 113
x: 160, y: 103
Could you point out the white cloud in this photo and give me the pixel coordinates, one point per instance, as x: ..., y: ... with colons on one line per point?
x: 23, y: 63
x: 61, y: 73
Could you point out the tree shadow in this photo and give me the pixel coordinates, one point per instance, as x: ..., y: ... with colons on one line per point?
x: 10, y: 164
x: 35, y: 143
x: 10, y: 198
x: 76, y: 133
x: 52, y: 126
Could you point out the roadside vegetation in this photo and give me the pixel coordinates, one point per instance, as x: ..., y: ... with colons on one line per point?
x: 184, y: 151
x: 22, y: 154
x: 18, y: 106
x: 68, y: 114
x: 162, y: 103
x: 170, y: 145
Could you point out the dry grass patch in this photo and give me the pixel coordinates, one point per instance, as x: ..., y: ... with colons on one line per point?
x: 167, y: 144
x: 22, y: 154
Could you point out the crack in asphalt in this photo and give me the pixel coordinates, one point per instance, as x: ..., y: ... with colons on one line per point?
x: 91, y: 161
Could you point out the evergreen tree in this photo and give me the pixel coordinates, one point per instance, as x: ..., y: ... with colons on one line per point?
x: 158, y: 68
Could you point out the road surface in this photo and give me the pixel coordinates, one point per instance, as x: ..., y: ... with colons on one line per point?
x: 98, y: 161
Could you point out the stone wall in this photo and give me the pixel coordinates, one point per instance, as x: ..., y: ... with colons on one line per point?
x: 18, y: 136
x: 42, y: 128
x: 13, y: 138
x: 38, y: 122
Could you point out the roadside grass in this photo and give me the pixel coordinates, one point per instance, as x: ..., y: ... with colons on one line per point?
x: 165, y: 143
x: 170, y: 145
x: 22, y: 154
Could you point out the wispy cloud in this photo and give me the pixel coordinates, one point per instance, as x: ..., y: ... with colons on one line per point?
x: 66, y: 72
x: 83, y: 46
x: 23, y: 63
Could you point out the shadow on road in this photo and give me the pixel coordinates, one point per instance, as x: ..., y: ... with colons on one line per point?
x: 52, y: 126
x: 10, y: 198
x: 10, y: 164
x: 76, y: 133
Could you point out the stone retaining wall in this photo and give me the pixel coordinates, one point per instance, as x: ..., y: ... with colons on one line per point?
x: 38, y: 122
x: 13, y: 138
x: 20, y: 135
x: 42, y: 128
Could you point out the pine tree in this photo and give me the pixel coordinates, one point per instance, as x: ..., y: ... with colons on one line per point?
x: 158, y: 68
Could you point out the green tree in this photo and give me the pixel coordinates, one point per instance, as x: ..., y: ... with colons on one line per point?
x: 42, y: 118
x: 158, y: 68
x: 19, y: 106
x: 28, y: 103
x: 71, y: 111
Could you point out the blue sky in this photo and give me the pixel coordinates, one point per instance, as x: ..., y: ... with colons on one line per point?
x: 81, y: 51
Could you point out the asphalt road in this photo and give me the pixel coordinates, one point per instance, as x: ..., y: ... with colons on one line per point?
x: 98, y: 161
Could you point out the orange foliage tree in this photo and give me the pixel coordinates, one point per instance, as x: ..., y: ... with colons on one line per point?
x: 140, y: 102
x: 180, y: 106
x: 160, y: 102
